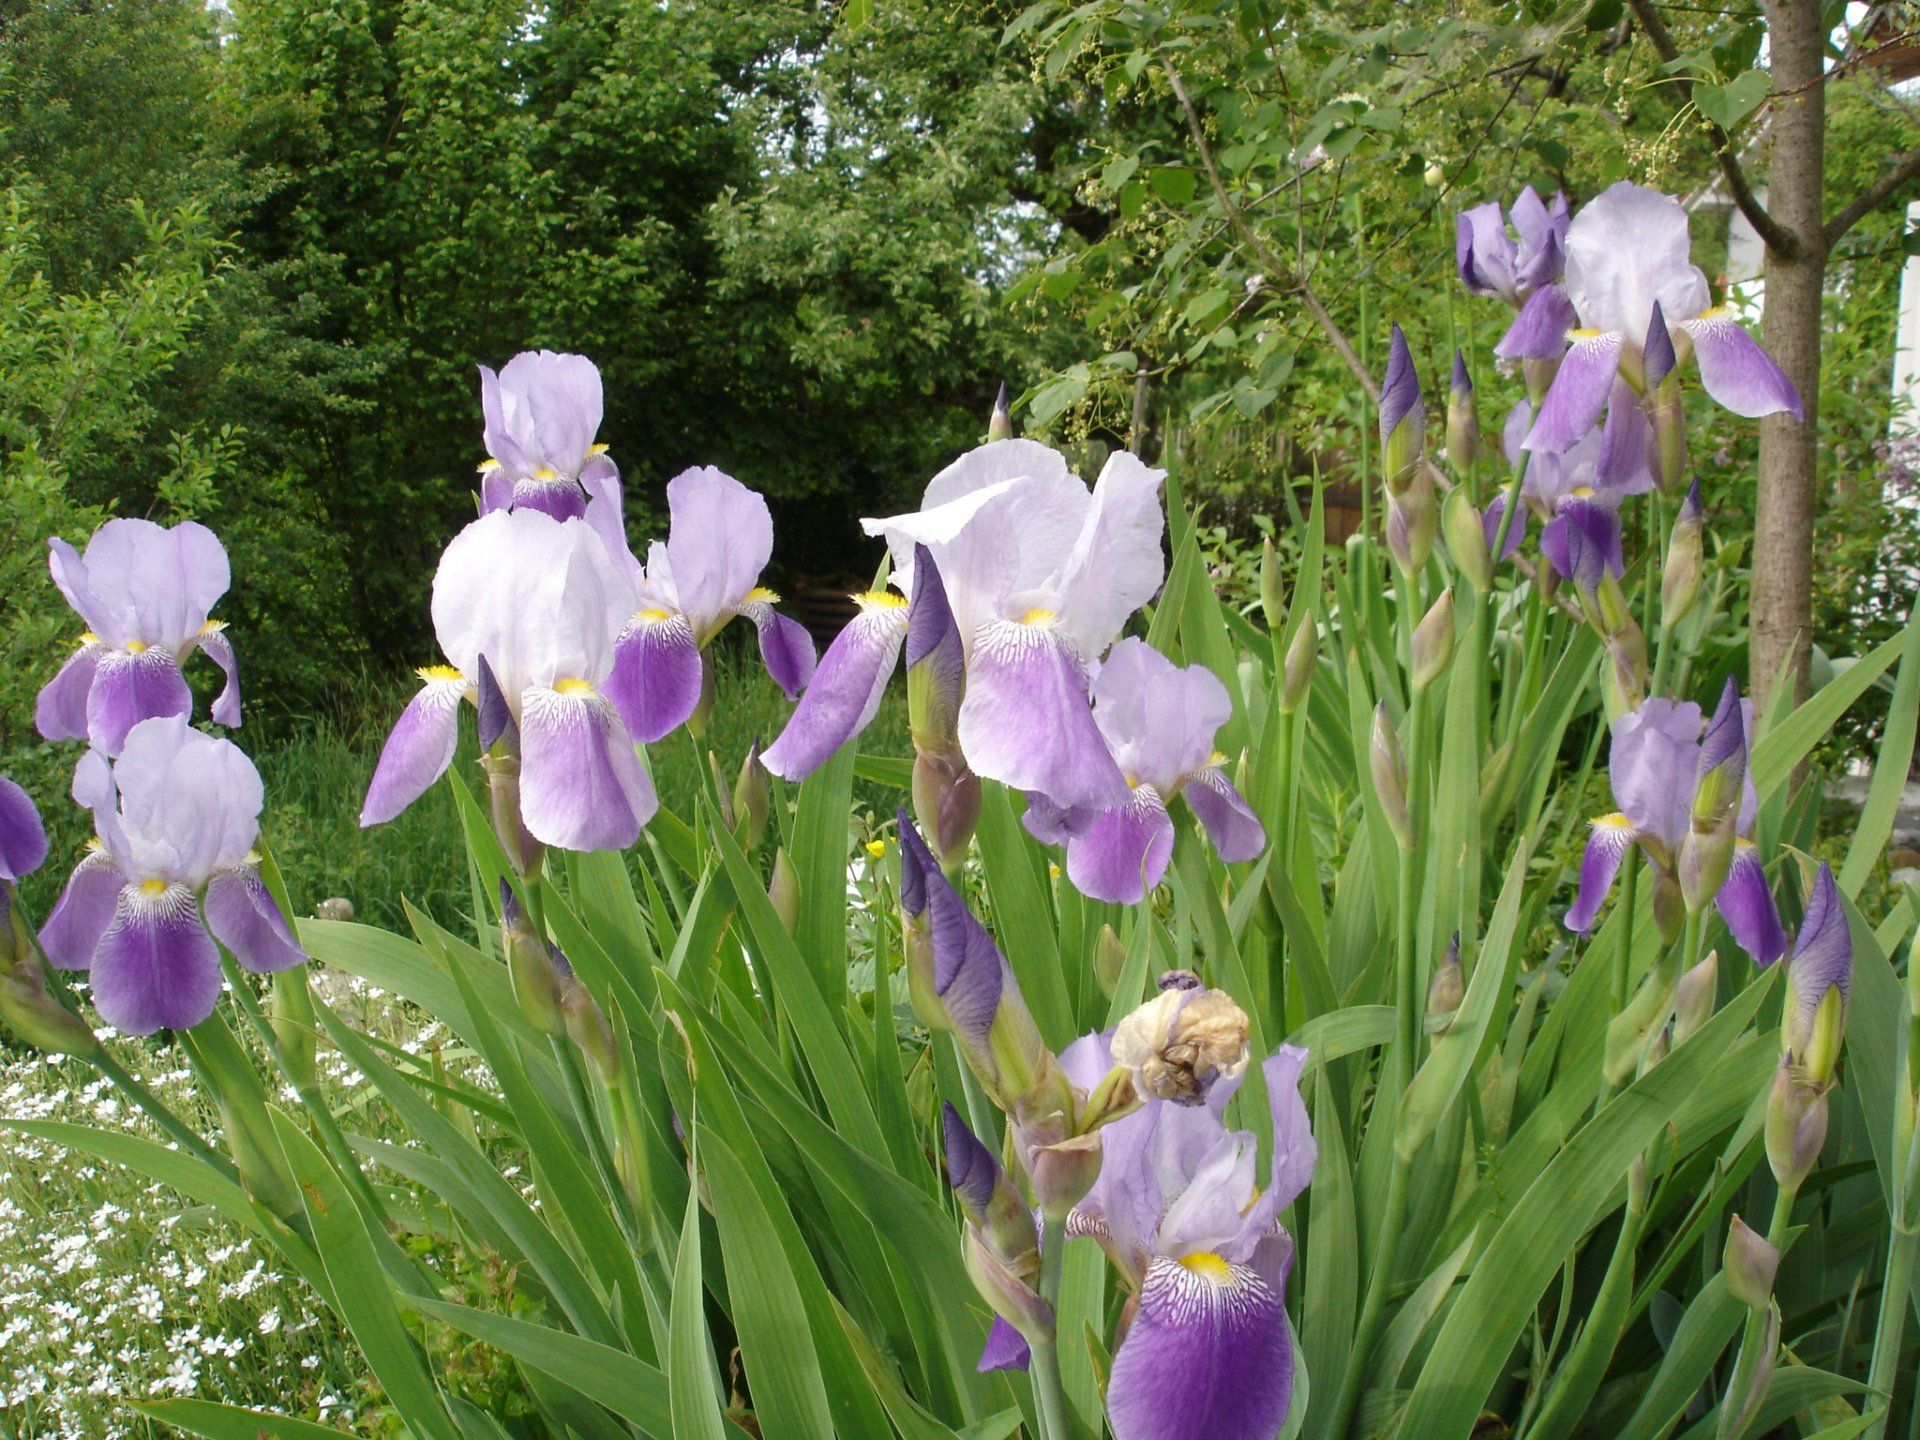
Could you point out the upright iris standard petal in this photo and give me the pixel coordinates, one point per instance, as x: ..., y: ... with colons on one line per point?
x: 1123, y: 852
x: 242, y: 915
x: 1159, y: 718
x: 1608, y: 842
x: 719, y: 539
x: 155, y: 967
x: 1746, y: 904
x: 657, y: 674
x: 1736, y: 371
x: 1583, y: 542
x: 581, y: 784
x: 23, y: 840
x: 420, y: 748
x: 1025, y: 720
x: 1627, y: 249
x: 1115, y: 565
x: 1490, y: 261
x: 845, y: 692
x: 542, y: 411
x: 1208, y: 1357
x: 1490, y: 526
x: 1229, y: 821
x: 1655, y: 750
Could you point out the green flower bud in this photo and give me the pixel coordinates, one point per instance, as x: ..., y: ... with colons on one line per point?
x: 1449, y: 985
x: 1466, y: 538
x: 1273, y: 597
x: 1297, y: 671
x: 587, y: 1027
x: 1433, y: 641
x: 1463, y: 417
x: 1749, y: 1265
x: 1693, y: 999
x: 1000, y: 422
x: 1063, y: 1171
x: 752, y: 795
x: 784, y: 890
x: 1796, y: 1124
x: 1680, y: 579
x: 1109, y: 960
x: 1390, y: 776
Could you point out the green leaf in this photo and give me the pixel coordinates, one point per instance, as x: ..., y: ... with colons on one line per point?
x: 361, y: 1293
x: 1344, y: 1032
x: 1890, y: 768
x: 1119, y: 171
x: 1705, y: 1329
x: 230, y: 1422
x: 691, y: 1382
x: 820, y: 846
x: 1785, y: 745
x: 1548, y: 1221
x: 1173, y: 184
x: 630, y: 1388
x: 1727, y: 105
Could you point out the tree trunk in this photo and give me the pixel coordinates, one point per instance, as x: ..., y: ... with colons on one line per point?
x: 1782, y: 601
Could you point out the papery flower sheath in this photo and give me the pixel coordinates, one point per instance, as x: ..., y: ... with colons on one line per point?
x: 719, y: 539
x: 527, y: 609
x: 1653, y: 764
x: 1208, y: 1351
x: 1158, y: 720
x: 542, y: 413
x: 145, y: 592
x: 1039, y: 574
x: 1628, y: 251
x: 175, y: 816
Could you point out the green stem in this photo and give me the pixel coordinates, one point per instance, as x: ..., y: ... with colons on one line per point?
x: 1883, y: 1374
x: 1050, y: 1396
x: 1623, y: 952
x: 1578, y: 1378
x: 156, y: 1110
x: 1747, y: 1362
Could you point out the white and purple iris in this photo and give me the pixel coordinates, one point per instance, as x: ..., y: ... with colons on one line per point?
x: 1179, y: 1210
x: 1657, y: 765
x: 176, y: 816
x: 542, y: 413
x: 1512, y: 255
x: 1578, y: 491
x: 719, y: 539
x: 145, y: 592
x: 1158, y: 720
x: 1628, y: 274
x: 527, y: 610
x: 1038, y: 576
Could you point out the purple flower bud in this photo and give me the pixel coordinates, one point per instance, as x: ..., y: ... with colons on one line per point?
x: 1819, y: 983
x: 1403, y: 416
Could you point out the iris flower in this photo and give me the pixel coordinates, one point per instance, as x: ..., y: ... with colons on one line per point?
x: 1158, y: 720
x: 1627, y: 252
x: 145, y: 591
x: 1039, y: 576
x: 536, y: 605
x: 176, y: 815
x: 1656, y: 763
x: 1208, y: 1351
x: 719, y: 539
x: 542, y: 412
x: 1492, y: 261
x: 23, y: 840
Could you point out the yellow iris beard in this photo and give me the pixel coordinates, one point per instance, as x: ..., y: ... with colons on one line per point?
x: 1209, y: 1266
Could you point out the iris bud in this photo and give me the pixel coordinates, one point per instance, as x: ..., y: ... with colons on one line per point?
x: 1403, y: 416
x: 1631, y: 1032
x: 1181, y: 1043
x: 1297, y: 671
x: 1665, y: 407
x: 1109, y: 960
x: 29, y: 1011
x: 1749, y: 1265
x: 1062, y: 1172
x: 537, y: 981
x: 1796, y: 1124
x: 946, y: 802
x: 1011, y: 1297
x: 1390, y: 776
x: 1463, y: 417
x: 752, y: 794
x: 1273, y: 598
x: 987, y: 1197
x: 1539, y: 377
x: 1669, y: 907
x: 1705, y: 858
x: 1680, y: 580
x: 1693, y: 999
x: 1411, y: 521
x: 1433, y: 641
x: 503, y: 792
x: 1449, y: 986
x: 1466, y: 538
x: 783, y: 891
x: 587, y: 1027
x: 1000, y: 422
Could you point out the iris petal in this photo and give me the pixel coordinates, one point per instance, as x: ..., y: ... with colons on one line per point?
x: 1736, y: 371
x: 128, y: 688
x: 243, y: 917
x: 1229, y: 821
x: 418, y: 751
x: 1025, y: 720
x: 23, y: 840
x: 83, y: 912
x: 226, y: 705
x: 844, y: 694
x: 1124, y: 852
x: 1746, y: 904
x: 581, y: 784
x: 60, y: 711
x: 156, y: 967
x: 1208, y: 1356
x: 1607, y: 846
x: 1579, y: 392
x: 655, y: 684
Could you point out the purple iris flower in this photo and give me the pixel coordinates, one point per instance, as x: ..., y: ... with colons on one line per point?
x: 527, y: 609
x: 1178, y: 1209
x: 1654, y: 766
x: 176, y: 816
x: 1158, y: 721
x: 1512, y: 263
x: 144, y: 591
x: 23, y: 840
x: 542, y: 411
x: 1627, y: 251
x: 1579, y: 490
x: 1039, y: 574
x: 719, y: 539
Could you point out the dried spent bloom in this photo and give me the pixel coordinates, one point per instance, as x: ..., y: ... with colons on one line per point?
x: 1182, y: 1043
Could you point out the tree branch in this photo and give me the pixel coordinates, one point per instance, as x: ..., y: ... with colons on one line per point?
x: 1899, y: 173
x: 1271, y: 265
x: 1779, y: 239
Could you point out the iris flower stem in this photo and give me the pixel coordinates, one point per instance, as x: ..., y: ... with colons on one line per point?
x: 1883, y: 1373
x: 1050, y: 1396
x: 1623, y: 952
x: 1578, y: 1377
x: 1406, y: 967
x: 1747, y: 1361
